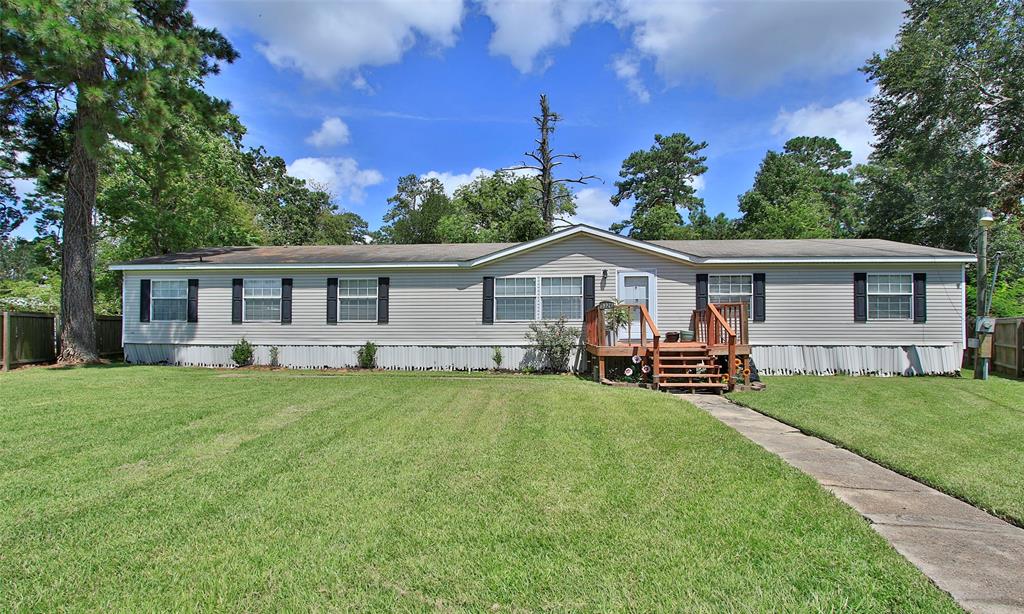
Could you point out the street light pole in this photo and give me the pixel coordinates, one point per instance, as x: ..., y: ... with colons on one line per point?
x: 985, y: 221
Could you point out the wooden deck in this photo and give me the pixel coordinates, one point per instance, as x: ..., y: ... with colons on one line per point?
x: 717, y: 358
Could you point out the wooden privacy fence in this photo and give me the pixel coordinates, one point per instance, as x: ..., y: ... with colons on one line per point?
x: 31, y: 338
x: 1008, y: 347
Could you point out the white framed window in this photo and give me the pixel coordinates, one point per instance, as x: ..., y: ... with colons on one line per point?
x: 734, y: 288
x: 890, y: 296
x: 261, y: 300
x: 520, y: 299
x: 561, y: 297
x: 515, y: 299
x: 168, y: 300
x: 357, y: 300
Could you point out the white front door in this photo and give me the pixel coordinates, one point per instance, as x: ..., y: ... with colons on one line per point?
x: 638, y: 288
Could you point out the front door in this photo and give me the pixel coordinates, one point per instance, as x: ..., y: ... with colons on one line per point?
x: 638, y: 288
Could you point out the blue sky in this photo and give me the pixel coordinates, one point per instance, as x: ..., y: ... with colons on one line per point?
x: 356, y: 94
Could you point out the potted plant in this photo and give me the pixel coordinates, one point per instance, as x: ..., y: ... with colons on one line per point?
x: 618, y: 316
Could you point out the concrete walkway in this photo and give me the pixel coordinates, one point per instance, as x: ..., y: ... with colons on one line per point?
x: 975, y: 557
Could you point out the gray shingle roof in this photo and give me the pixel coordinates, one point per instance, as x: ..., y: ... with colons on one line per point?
x: 804, y: 248
x: 461, y: 252
x: 329, y: 254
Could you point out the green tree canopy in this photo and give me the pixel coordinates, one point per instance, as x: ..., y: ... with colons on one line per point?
x: 660, y: 181
x: 417, y: 208
x: 953, y: 85
x: 803, y: 192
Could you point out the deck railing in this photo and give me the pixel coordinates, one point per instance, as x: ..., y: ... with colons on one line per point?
x: 717, y: 326
x: 597, y: 333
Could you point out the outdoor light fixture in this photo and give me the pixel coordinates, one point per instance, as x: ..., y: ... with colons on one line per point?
x: 604, y: 275
x: 985, y: 219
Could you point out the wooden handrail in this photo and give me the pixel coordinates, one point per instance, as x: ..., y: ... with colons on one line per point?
x: 594, y: 326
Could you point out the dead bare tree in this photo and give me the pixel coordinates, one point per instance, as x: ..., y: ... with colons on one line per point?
x: 545, y: 163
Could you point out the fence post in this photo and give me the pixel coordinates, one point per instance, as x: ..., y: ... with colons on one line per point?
x: 1020, y: 348
x: 6, y: 335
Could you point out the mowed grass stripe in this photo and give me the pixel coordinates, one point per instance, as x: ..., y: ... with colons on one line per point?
x: 159, y: 488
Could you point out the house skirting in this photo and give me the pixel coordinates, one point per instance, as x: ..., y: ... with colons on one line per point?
x: 769, y: 359
x: 857, y: 359
x: 413, y: 357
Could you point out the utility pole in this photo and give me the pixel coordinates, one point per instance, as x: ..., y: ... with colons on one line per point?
x: 982, y: 353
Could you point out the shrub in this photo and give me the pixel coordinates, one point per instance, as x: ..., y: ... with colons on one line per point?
x: 497, y: 357
x: 367, y: 356
x: 242, y: 353
x: 554, y: 341
x: 275, y: 356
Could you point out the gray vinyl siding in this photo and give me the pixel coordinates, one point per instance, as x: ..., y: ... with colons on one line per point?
x: 805, y: 304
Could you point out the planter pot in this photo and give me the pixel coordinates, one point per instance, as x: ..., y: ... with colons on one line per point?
x: 686, y: 335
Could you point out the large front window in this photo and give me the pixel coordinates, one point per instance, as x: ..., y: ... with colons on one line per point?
x: 169, y: 300
x: 261, y: 300
x: 890, y: 296
x: 532, y: 298
x: 357, y: 300
x: 515, y: 298
x: 730, y: 288
x: 561, y: 297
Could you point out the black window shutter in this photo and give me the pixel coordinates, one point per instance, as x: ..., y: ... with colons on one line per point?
x: 758, y: 297
x: 193, y: 300
x: 860, y: 297
x: 488, y: 300
x: 920, y: 297
x: 236, y: 300
x: 383, y: 299
x: 588, y: 293
x: 702, y: 291
x: 286, y: 300
x: 332, y: 300
x: 144, y: 300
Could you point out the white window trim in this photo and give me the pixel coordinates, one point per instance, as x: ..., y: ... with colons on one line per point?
x: 538, y: 298
x: 868, y: 294
x: 750, y: 303
x: 376, y: 298
x: 280, y: 286
x: 152, y: 312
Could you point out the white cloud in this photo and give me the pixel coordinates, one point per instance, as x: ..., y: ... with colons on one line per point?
x: 628, y: 70
x: 323, y: 40
x: 523, y: 31
x: 331, y: 132
x: 454, y: 181
x: 342, y: 176
x: 698, y: 184
x: 594, y: 207
x: 745, y: 46
x: 846, y: 122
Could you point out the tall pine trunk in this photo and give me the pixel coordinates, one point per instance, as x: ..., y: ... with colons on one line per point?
x: 78, y: 318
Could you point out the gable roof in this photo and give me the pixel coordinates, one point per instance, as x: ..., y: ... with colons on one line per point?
x: 468, y: 255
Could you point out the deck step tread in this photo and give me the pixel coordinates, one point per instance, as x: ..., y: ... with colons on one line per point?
x: 691, y: 385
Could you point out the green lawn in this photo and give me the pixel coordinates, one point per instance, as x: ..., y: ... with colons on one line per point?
x: 149, y: 488
x: 959, y: 435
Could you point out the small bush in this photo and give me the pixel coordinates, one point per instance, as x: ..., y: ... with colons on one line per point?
x: 554, y: 341
x: 497, y: 357
x: 367, y: 356
x: 275, y: 356
x: 242, y: 353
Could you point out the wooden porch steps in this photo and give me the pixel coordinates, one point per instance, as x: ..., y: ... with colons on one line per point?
x: 687, y: 366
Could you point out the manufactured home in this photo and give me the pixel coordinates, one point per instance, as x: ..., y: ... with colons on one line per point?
x: 859, y: 306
